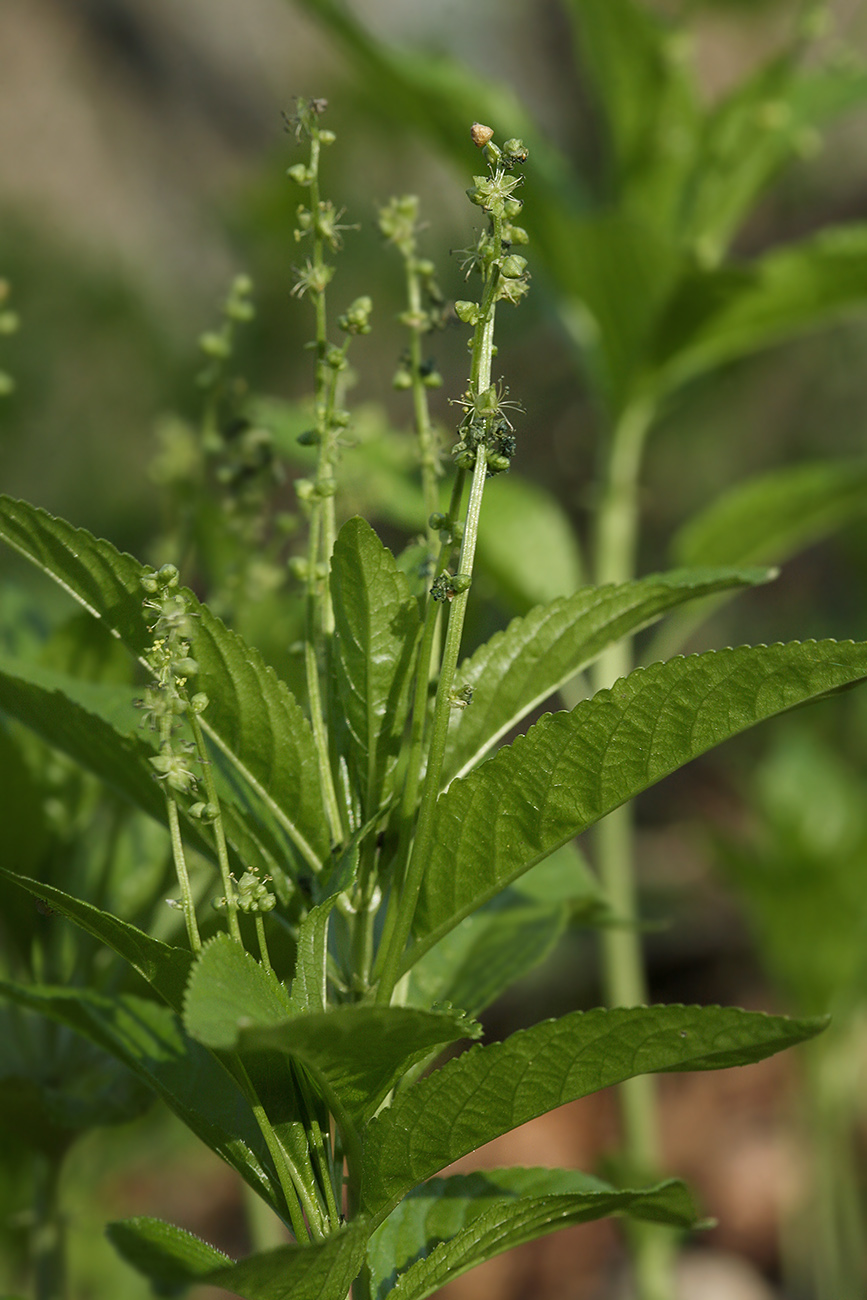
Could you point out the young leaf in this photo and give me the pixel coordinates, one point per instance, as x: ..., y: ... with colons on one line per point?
x: 492, y: 1089
x: 573, y: 768
x: 165, y: 968
x: 172, y: 1258
x: 767, y: 518
x: 309, y: 990
x: 227, y: 989
x: 149, y: 1039
x: 252, y: 718
x: 520, y: 667
x: 449, y: 1225
x: 375, y: 634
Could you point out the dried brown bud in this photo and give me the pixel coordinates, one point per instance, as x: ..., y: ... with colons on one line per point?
x: 480, y: 135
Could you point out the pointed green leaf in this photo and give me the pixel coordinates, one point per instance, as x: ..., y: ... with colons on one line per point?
x: 252, y: 718
x: 149, y: 1039
x: 165, y: 968
x: 170, y: 1257
x: 717, y: 317
x: 492, y: 1089
x: 449, y: 1225
x: 309, y: 990
x: 770, y: 517
x: 375, y: 634
x: 358, y: 1053
x: 520, y: 667
x: 573, y: 768
x: 173, y: 1258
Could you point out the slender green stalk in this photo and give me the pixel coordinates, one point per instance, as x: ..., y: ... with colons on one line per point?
x: 187, y: 902
x: 623, y: 973
x: 217, y: 825
x: 48, y: 1234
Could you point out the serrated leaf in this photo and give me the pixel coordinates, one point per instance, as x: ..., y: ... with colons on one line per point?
x: 252, y: 718
x: 173, y: 1258
x: 768, y: 518
x: 449, y: 1225
x: 357, y: 1053
x: 309, y: 991
x: 164, y: 967
x: 573, y: 768
x: 229, y: 989
x: 170, y: 1257
x: 149, y: 1039
x: 493, y: 1089
x: 520, y: 667
x: 376, y: 629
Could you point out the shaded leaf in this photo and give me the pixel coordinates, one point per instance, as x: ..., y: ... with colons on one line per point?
x: 493, y: 1089
x: 573, y: 768
x: 449, y: 1225
x: 527, y: 544
x: 520, y: 667
x: 375, y: 634
x: 173, y: 1258
x: 164, y: 967
x: 252, y: 718
x: 149, y: 1039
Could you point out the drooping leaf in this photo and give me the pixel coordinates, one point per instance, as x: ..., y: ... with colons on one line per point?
x: 520, y: 667
x: 767, y: 518
x: 717, y: 317
x: 573, y: 768
x: 355, y: 1052
x: 173, y: 1259
x: 165, y: 968
x: 449, y: 1225
x: 493, y: 1089
x: 376, y: 630
x: 149, y: 1039
x: 252, y: 718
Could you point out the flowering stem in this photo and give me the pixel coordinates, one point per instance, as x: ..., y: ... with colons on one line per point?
x: 219, y: 833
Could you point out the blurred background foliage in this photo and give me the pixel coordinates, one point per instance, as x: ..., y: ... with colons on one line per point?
x: 145, y: 166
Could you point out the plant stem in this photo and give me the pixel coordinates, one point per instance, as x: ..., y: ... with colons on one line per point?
x: 217, y: 825
x: 48, y: 1238
x: 623, y: 974
x: 187, y: 901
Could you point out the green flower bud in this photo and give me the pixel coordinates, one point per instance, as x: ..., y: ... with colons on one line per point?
x: 432, y: 379
x: 326, y: 136
x: 301, y: 174
x: 199, y: 702
x: 309, y: 438
x: 438, y: 520
x: 326, y: 487
x: 299, y: 568
x: 304, y: 489
x: 401, y: 379
x: 513, y: 266
x: 215, y: 345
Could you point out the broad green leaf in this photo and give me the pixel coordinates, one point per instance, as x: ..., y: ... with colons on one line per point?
x: 149, y: 1039
x: 172, y: 1258
x: 527, y: 544
x: 165, y: 968
x: 252, y: 718
x: 358, y: 1053
x: 449, y: 1225
x: 376, y: 629
x: 227, y: 989
x: 520, y: 667
x: 493, y: 1089
x: 573, y: 768
x: 768, y: 518
x: 717, y: 317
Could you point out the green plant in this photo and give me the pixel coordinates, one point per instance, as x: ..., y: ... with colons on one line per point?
x: 382, y: 876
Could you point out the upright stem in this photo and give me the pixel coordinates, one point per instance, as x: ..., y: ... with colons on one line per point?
x: 623, y: 974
